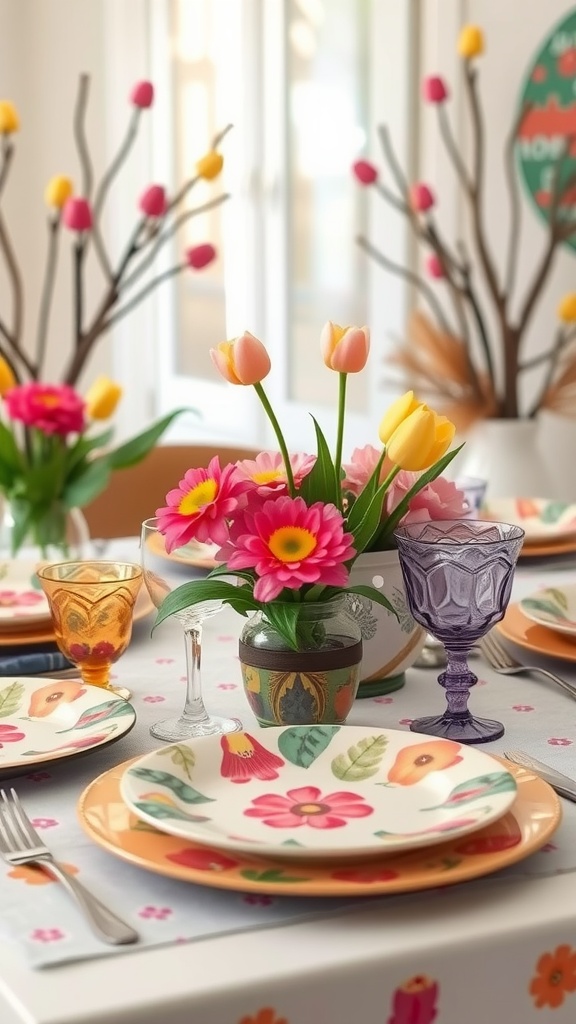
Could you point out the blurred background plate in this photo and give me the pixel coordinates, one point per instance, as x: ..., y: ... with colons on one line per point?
x: 554, y: 607
x: 543, y: 519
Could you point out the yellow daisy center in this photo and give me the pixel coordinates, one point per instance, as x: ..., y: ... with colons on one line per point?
x: 266, y: 476
x: 291, y: 543
x: 49, y: 401
x: 310, y: 809
x: 198, y: 498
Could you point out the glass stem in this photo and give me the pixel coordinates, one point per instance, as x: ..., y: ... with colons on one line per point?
x: 194, y: 710
x: 457, y: 681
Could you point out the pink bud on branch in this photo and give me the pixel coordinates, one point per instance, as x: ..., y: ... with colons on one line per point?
x: 142, y: 95
x: 152, y: 202
x: 365, y: 172
x: 199, y: 256
x: 434, y: 89
x: 421, y: 197
x: 434, y: 267
x: 77, y: 214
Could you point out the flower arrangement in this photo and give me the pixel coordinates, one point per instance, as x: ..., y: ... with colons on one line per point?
x: 49, y: 460
x: 290, y: 526
x: 473, y: 358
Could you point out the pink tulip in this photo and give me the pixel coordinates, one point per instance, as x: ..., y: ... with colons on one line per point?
x: 421, y: 197
x: 365, y: 172
x: 200, y: 256
x: 434, y: 89
x: 142, y: 95
x: 152, y: 202
x: 241, y: 361
x: 434, y: 266
x: 77, y: 214
x: 344, y: 349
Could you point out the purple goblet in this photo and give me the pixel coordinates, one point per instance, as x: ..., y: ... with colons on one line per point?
x: 458, y: 576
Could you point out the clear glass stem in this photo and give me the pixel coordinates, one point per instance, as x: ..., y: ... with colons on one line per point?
x: 194, y: 710
x: 457, y: 680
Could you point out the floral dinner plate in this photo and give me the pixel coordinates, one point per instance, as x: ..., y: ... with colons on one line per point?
x: 520, y: 630
x: 527, y: 826
x: 47, y: 720
x: 201, y: 556
x: 554, y: 607
x: 542, y: 519
x: 318, y: 791
x: 22, y: 602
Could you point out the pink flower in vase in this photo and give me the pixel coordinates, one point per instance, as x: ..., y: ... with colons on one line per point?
x: 50, y: 408
x: 414, y: 1002
x: 439, y: 499
x: 198, y: 508
x: 267, y: 471
x: 360, y: 469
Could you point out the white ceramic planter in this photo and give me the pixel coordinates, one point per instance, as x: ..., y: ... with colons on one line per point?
x: 509, y: 454
x: 391, y: 644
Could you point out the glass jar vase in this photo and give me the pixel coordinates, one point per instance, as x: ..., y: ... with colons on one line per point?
x: 52, y: 533
x: 314, y: 684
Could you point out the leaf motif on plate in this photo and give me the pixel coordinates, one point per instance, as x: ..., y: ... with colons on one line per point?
x: 360, y: 761
x: 162, y: 810
x: 181, y: 756
x: 538, y: 604
x: 180, y: 789
x: 559, y: 596
x: 101, y: 713
x: 271, y: 875
x: 10, y: 699
x: 482, y: 786
x: 553, y: 511
x: 302, y: 746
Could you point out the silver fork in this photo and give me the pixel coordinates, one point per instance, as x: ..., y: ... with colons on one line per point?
x: 502, y: 661
x: 21, y: 844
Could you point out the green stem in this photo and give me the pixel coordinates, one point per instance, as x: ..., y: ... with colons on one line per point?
x: 384, y: 529
x: 279, y: 435
x: 340, y: 432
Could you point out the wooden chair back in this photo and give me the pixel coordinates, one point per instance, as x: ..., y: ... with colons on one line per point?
x: 135, y: 493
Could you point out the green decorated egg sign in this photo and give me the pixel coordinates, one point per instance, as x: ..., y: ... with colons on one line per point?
x: 545, y: 151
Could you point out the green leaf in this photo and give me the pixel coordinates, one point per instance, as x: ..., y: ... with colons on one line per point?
x: 181, y: 756
x: 88, y: 485
x: 473, y: 789
x: 360, y: 761
x: 159, y: 810
x: 401, y: 509
x: 553, y: 511
x: 364, y: 499
x: 284, y: 618
x: 137, y: 447
x: 197, y: 591
x: 321, y: 483
x: 10, y: 699
x: 303, y: 746
x: 271, y: 875
x: 370, y: 522
x: 78, y: 452
x: 180, y: 789
x: 101, y: 713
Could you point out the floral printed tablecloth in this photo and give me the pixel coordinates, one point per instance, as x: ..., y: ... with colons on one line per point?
x: 42, y: 928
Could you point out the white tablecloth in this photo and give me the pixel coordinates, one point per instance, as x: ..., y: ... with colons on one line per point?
x: 475, y: 949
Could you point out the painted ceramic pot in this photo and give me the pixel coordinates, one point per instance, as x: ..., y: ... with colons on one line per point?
x: 391, y: 645
x: 316, y: 683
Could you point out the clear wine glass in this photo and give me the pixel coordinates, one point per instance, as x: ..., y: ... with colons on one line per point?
x: 161, y: 576
x: 458, y: 576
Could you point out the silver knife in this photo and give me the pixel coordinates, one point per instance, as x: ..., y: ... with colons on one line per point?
x: 561, y: 783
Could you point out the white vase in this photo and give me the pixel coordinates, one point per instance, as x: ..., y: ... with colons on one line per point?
x: 509, y: 454
x: 391, y: 644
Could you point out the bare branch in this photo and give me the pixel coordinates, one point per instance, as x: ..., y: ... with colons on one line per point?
x: 408, y: 275
x: 512, y: 180
x: 452, y: 149
x: 80, y: 135
x: 47, y: 291
x: 104, y: 187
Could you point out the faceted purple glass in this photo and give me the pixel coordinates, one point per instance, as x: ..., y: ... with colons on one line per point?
x: 458, y: 576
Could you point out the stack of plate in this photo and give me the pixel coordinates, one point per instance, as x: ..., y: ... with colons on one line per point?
x: 550, y: 526
x: 544, y: 622
x: 320, y: 811
x: 200, y: 556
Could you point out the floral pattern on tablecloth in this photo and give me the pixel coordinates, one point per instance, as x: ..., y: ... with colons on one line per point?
x: 554, y: 977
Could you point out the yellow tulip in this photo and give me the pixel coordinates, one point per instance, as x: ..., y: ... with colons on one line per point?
x: 420, y: 440
x: 470, y: 42
x: 102, y: 398
x: 9, y: 120
x: 210, y: 165
x: 57, y: 191
x: 396, y: 415
x: 567, y: 308
x: 7, y: 378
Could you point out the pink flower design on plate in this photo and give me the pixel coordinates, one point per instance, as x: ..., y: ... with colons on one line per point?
x: 383, y: 700
x: 155, y: 913
x: 522, y: 707
x: 39, y: 776
x: 19, y: 599
x: 254, y: 899
x: 164, y: 661
x: 153, y: 699
x: 44, y: 822
x: 559, y: 741
x: 47, y: 935
x: 10, y: 734
x: 227, y: 686
x: 306, y: 806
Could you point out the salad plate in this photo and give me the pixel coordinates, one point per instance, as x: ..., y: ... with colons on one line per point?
x: 554, y: 607
x: 200, y: 556
x: 306, y: 792
x: 527, y: 826
x: 520, y: 630
x: 46, y: 721
x: 23, y: 604
x: 544, y: 521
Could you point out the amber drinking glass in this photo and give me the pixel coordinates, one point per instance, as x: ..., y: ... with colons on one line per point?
x: 92, y: 605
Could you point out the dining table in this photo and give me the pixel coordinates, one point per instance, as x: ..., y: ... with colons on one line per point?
x: 501, y: 947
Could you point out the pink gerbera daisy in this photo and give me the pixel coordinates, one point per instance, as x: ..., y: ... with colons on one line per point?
x: 289, y: 544
x: 268, y: 473
x: 199, y: 507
